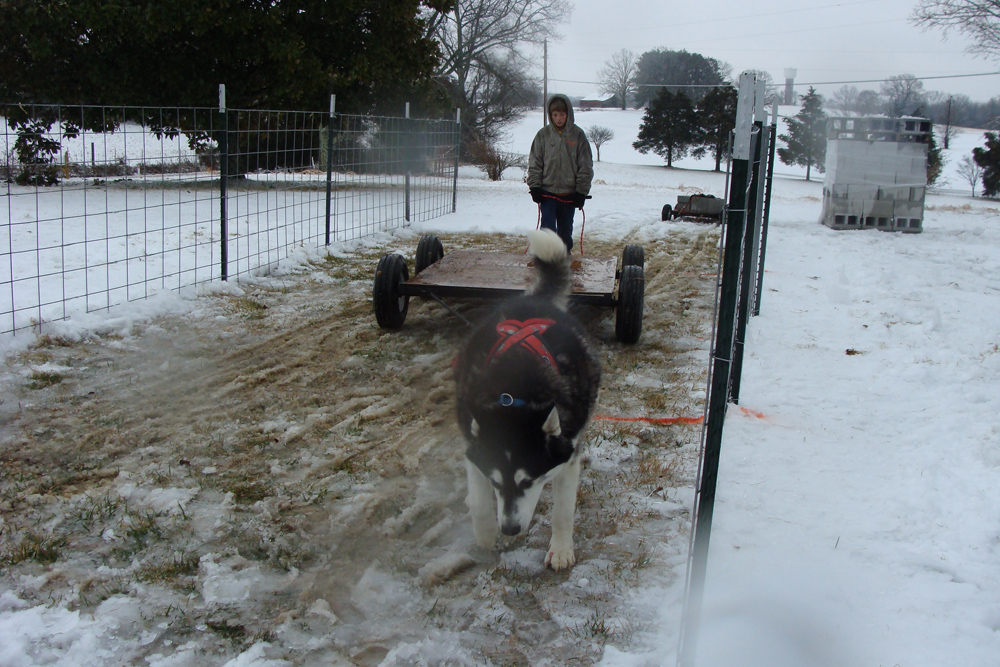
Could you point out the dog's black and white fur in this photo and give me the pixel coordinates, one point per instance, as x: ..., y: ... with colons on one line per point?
x: 526, y: 383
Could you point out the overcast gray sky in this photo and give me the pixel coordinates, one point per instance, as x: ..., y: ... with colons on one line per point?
x: 824, y: 40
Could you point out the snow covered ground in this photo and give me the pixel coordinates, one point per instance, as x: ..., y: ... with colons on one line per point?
x: 857, y: 515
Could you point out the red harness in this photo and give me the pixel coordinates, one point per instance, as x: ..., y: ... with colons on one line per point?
x: 524, y: 334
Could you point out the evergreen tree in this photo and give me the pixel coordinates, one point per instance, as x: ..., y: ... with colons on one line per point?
x: 716, y: 119
x: 935, y: 160
x: 271, y: 55
x: 805, y: 143
x: 375, y: 55
x: 669, y: 127
x: 988, y: 158
x: 686, y: 72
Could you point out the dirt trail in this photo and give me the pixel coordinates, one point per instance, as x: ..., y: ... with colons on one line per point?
x: 273, y: 467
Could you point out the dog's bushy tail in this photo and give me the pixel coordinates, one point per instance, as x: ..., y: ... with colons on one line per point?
x: 554, y: 274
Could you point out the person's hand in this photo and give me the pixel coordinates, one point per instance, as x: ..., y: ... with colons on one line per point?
x: 536, y: 195
x: 579, y: 200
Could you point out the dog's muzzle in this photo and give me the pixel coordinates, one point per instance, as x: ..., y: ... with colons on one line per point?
x: 510, y: 528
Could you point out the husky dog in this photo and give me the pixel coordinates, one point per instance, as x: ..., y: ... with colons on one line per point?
x: 526, y: 383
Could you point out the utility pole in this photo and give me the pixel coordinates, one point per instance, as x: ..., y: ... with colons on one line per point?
x: 947, y: 124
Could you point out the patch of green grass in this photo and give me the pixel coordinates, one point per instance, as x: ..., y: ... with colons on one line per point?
x: 42, y: 379
x: 170, y: 571
x: 33, y: 546
x: 342, y: 268
x: 139, y: 529
x: 99, y: 509
x: 141, y: 525
x: 228, y: 630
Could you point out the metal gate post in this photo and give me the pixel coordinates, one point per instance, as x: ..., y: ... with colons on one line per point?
x: 767, y: 209
x: 224, y: 184
x: 765, y: 147
x: 748, y: 270
x: 406, y: 156
x: 329, y: 163
x: 721, y: 365
x: 458, y: 152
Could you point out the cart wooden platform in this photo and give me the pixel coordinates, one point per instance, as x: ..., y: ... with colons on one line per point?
x: 475, y: 274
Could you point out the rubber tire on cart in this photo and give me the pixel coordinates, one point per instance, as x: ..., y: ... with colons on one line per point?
x: 633, y: 255
x: 390, y: 305
x: 666, y: 212
x: 429, y: 250
x: 628, y: 312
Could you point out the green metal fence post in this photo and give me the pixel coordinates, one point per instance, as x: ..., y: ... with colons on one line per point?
x: 223, y: 184
x: 329, y: 163
x: 735, y: 229
x: 458, y: 152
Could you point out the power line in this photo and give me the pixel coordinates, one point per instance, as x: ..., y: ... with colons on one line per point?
x: 917, y: 78
x: 797, y: 83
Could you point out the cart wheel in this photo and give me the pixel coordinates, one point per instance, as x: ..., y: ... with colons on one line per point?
x: 628, y: 315
x: 429, y: 250
x: 390, y: 305
x: 633, y: 255
x: 665, y: 213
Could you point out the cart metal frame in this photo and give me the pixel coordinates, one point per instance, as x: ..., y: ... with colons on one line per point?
x: 476, y: 274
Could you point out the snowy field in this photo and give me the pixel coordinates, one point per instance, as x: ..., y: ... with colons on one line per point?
x: 856, y: 520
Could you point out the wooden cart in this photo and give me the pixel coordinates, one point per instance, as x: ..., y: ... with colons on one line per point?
x: 490, y: 275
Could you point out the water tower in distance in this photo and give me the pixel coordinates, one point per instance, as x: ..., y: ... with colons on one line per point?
x: 790, y: 73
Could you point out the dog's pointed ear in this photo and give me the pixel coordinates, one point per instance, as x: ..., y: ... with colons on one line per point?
x: 551, y: 427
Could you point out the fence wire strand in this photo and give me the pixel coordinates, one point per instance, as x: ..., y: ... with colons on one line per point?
x: 106, y: 205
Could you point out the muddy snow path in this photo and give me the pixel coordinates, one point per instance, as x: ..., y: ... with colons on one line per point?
x: 273, y: 474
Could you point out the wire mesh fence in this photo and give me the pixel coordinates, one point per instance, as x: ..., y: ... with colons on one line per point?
x: 108, y: 205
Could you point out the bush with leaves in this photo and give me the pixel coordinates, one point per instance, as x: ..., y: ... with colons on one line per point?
x: 36, y: 154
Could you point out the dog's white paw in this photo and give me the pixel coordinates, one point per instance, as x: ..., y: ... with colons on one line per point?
x: 560, y: 557
x: 486, y: 536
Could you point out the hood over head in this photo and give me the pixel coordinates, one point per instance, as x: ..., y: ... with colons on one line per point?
x: 569, y: 108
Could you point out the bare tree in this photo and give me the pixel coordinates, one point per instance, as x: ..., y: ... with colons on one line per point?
x: 978, y: 20
x: 772, y: 92
x: 482, y: 63
x: 845, y: 99
x: 904, y: 95
x: 618, y: 76
x: 970, y: 170
x: 869, y: 102
x: 600, y: 135
x: 493, y: 161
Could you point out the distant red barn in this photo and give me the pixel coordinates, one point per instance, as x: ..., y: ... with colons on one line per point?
x: 600, y: 102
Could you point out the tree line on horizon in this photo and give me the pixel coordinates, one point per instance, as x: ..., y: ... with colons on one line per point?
x: 437, y: 55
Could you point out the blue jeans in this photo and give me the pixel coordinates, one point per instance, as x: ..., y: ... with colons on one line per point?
x: 558, y: 217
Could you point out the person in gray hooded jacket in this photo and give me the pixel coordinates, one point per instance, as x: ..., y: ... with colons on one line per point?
x: 560, y: 169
